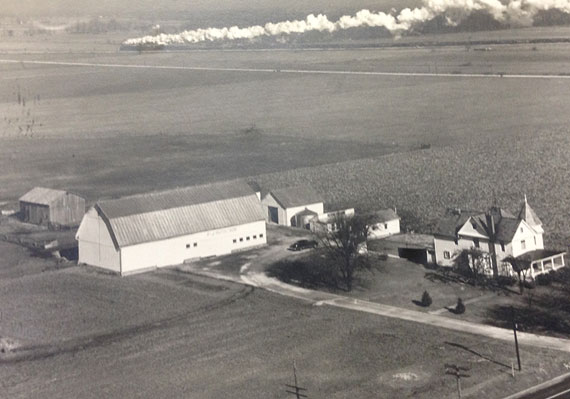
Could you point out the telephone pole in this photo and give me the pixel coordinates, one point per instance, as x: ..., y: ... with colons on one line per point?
x: 456, y: 371
x: 296, y: 387
x: 516, y: 340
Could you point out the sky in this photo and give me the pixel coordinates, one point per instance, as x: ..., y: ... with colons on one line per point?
x: 177, y: 9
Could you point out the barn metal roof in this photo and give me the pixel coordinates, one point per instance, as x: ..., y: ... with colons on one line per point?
x: 289, y: 197
x: 161, y: 215
x: 42, y: 196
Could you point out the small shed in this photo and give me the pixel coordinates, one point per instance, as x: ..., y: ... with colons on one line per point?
x: 385, y: 222
x: 46, y: 206
x: 282, y: 206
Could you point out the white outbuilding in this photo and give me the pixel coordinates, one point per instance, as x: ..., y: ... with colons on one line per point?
x: 292, y: 206
x: 158, y: 229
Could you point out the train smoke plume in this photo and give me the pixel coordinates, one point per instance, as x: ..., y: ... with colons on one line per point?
x: 513, y: 12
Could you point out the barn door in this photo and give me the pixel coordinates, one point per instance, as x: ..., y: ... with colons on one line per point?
x: 273, y: 214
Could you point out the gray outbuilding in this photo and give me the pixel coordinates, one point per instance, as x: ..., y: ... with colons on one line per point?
x: 46, y: 206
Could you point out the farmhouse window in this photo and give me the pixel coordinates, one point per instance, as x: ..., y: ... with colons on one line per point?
x: 476, y: 242
x: 523, y: 244
x: 521, y: 229
x: 534, y: 240
x: 446, y: 255
x: 503, y: 246
x: 385, y: 225
x: 456, y: 241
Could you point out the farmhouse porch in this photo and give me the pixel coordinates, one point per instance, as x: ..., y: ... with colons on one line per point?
x: 543, y: 261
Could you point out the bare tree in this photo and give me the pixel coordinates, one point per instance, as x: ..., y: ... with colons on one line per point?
x: 344, y: 246
x: 474, y: 261
x: 521, y: 266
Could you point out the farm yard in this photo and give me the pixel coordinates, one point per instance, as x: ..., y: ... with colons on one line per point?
x: 417, y: 143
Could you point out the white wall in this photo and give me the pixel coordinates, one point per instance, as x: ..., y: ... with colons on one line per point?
x: 96, y: 247
x: 176, y: 250
x: 448, y: 244
x: 384, y: 229
x: 527, y: 234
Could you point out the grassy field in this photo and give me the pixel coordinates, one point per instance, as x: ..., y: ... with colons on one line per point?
x: 166, y: 334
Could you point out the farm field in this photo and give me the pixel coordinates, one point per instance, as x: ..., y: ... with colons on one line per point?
x: 179, y: 335
x: 194, y: 121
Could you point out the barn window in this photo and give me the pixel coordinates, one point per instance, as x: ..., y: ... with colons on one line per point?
x: 534, y: 240
x: 385, y: 225
x: 476, y: 242
x: 521, y: 229
x: 523, y: 244
x: 235, y: 240
x: 503, y: 246
x: 240, y: 239
x: 255, y: 237
x: 446, y: 255
x: 187, y: 246
x: 261, y: 235
x: 247, y: 238
x: 195, y: 244
x: 456, y: 241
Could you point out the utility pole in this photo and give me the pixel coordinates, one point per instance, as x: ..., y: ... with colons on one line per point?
x: 296, y: 387
x: 516, y: 340
x: 456, y: 371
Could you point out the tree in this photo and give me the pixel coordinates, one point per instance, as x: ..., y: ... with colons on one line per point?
x: 474, y: 261
x: 344, y: 246
x: 521, y: 266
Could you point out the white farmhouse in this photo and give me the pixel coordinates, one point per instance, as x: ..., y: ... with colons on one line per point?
x: 498, y: 234
x: 292, y: 206
x: 148, y: 231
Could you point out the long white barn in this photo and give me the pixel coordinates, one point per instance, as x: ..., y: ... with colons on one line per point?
x: 148, y: 231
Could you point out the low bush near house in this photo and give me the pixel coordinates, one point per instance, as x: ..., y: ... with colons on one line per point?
x: 426, y: 299
x: 460, y: 307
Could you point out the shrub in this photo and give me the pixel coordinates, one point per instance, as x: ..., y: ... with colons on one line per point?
x: 544, y: 279
x: 426, y: 299
x: 506, y: 281
x: 460, y: 307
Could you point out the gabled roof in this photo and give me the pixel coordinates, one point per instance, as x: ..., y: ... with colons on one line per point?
x: 42, y: 196
x: 506, y: 223
x: 384, y: 215
x: 505, y: 230
x: 290, y: 197
x: 528, y: 215
x: 449, y: 225
x: 161, y: 215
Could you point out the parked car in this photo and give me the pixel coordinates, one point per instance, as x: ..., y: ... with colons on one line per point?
x: 303, y: 244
